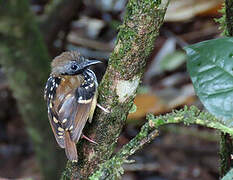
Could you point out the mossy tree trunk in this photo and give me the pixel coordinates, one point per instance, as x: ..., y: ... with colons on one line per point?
x: 117, y: 90
x: 226, y: 151
x: 226, y: 144
x: 26, y: 63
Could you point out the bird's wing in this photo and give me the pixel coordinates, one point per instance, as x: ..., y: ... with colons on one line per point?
x: 73, y: 116
x: 56, y: 127
x: 49, y: 95
x: 74, y: 111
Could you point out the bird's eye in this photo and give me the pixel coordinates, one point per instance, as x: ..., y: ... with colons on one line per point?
x: 74, y: 67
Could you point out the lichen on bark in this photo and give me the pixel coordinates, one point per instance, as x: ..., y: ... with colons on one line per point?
x: 135, y: 41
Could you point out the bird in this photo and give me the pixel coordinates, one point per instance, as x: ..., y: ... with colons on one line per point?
x: 71, y: 95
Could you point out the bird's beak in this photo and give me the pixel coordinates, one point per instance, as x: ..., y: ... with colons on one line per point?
x: 88, y: 62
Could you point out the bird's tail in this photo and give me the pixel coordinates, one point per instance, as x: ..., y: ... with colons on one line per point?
x: 70, y: 148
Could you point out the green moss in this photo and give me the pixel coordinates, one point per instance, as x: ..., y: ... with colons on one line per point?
x: 112, y: 168
x: 66, y: 175
x: 222, y: 21
x: 142, y: 31
x: 225, y: 153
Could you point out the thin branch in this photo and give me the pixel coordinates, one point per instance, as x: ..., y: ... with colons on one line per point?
x: 189, y: 116
x: 112, y: 168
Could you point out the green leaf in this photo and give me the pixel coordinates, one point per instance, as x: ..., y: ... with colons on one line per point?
x: 210, y: 65
x: 228, y: 176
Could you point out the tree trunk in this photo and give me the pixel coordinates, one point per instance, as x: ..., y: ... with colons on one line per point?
x: 226, y: 144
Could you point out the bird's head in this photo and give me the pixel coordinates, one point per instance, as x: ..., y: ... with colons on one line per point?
x: 70, y: 63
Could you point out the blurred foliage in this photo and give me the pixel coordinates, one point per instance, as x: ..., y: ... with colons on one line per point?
x: 25, y: 61
x: 172, y: 61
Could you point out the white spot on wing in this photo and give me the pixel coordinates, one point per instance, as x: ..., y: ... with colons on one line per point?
x: 60, y: 133
x: 64, y: 120
x: 84, y: 101
x: 60, y: 129
x: 55, y: 120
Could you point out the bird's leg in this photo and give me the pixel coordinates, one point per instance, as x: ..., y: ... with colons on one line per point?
x: 90, y: 140
x: 102, y: 108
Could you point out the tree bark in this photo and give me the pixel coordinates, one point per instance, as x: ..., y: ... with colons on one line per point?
x: 26, y: 63
x: 135, y: 42
x: 229, y: 16
x: 226, y: 143
x: 226, y: 151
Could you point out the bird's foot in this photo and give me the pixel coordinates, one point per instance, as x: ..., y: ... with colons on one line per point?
x: 90, y: 140
x: 102, y: 108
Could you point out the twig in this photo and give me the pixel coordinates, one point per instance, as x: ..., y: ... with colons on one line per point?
x: 188, y: 116
x: 112, y: 168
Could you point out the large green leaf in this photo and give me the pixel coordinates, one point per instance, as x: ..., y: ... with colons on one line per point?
x: 210, y: 65
x: 228, y: 176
